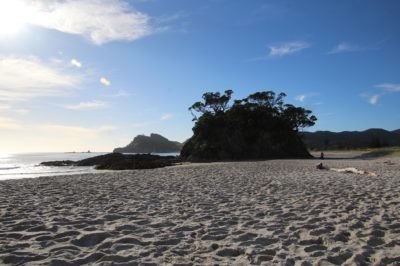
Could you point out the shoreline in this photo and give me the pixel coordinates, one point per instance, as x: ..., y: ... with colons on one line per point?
x: 261, y: 212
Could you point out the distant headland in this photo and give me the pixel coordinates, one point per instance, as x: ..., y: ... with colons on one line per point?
x: 370, y: 138
x: 154, y: 143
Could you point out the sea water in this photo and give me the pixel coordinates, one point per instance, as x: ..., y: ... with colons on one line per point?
x: 27, y: 165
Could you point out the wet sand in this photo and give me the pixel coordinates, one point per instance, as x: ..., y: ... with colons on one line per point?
x: 279, y: 212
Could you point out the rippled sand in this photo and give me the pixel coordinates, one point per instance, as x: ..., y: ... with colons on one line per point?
x: 281, y: 212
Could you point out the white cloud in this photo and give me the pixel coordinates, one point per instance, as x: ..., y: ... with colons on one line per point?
x: 100, y: 21
x: 91, y: 105
x: 105, y: 81
x: 343, y: 47
x: 167, y: 116
x: 389, y: 87
x: 300, y: 98
x: 373, y: 99
x: 303, y: 97
x: 8, y: 123
x: 76, y: 63
x: 385, y: 88
x: 121, y: 93
x: 287, y: 48
x: 22, y: 78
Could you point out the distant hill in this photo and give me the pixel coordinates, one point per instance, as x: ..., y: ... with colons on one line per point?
x: 371, y: 138
x: 147, y: 144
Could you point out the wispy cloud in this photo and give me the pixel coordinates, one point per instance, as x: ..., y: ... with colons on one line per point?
x: 22, y: 78
x: 300, y: 98
x: 304, y: 96
x: 342, y: 48
x: 76, y: 63
x: 100, y: 21
x: 91, y: 105
x: 121, y: 93
x: 346, y: 47
x: 385, y: 88
x: 167, y: 116
x: 105, y: 81
x: 118, y: 94
x: 8, y: 123
x: 287, y: 48
x: 389, y: 87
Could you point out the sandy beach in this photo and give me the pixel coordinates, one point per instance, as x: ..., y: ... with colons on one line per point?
x: 279, y: 212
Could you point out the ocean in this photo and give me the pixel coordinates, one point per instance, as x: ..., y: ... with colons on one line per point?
x: 27, y: 165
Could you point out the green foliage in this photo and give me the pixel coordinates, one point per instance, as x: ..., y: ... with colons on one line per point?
x: 259, y: 126
x: 213, y: 103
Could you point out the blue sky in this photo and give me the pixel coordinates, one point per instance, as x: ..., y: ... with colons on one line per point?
x: 92, y: 74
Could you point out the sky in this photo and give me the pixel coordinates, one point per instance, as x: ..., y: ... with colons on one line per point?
x: 78, y: 75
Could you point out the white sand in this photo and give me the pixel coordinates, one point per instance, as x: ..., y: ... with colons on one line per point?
x: 282, y: 212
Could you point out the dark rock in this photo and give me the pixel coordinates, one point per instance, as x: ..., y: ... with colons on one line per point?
x: 58, y: 163
x: 118, y: 161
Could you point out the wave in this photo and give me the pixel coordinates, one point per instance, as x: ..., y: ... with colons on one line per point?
x: 71, y: 170
x: 9, y: 167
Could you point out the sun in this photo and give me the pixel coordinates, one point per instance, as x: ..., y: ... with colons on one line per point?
x: 13, y: 15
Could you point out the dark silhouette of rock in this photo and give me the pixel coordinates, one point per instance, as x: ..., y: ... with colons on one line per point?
x: 118, y: 161
x: 58, y: 163
x: 371, y: 138
x: 153, y: 143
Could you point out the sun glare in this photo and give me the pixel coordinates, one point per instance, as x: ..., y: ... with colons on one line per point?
x: 13, y: 14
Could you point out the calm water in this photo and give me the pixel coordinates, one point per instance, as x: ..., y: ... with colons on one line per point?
x: 26, y: 165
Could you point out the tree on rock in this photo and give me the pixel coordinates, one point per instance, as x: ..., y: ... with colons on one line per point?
x: 260, y: 126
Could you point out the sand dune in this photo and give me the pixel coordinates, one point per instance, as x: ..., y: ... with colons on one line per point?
x: 281, y: 212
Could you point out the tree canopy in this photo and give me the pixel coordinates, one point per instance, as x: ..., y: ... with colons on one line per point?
x: 258, y: 126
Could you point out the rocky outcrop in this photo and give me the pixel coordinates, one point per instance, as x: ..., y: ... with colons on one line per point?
x: 118, y: 161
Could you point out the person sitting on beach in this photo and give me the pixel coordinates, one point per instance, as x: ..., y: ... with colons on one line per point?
x: 320, y: 166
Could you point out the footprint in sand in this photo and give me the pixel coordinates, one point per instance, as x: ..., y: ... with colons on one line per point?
x: 91, y: 239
